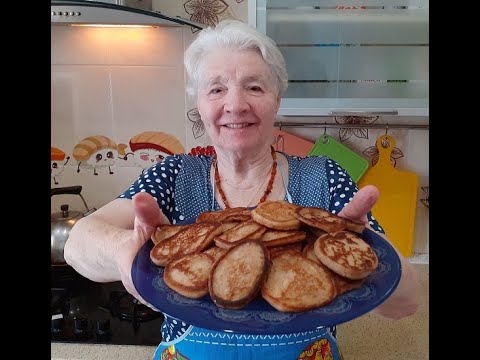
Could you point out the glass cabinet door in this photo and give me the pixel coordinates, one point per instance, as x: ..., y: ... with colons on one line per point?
x: 351, y: 56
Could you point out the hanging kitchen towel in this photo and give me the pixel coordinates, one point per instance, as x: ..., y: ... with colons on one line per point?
x: 291, y: 144
x: 347, y: 158
x: 395, y: 208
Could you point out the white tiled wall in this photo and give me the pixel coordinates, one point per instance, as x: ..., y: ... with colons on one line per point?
x: 119, y: 82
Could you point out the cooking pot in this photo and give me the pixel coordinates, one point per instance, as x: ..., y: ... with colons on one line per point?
x: 62, y: 223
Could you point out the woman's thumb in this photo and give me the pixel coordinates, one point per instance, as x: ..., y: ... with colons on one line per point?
x: 148, y: 215
x: 361, y: 204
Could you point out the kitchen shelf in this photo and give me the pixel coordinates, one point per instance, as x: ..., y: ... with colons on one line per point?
x: 366, y: 60
x: 327, y: 107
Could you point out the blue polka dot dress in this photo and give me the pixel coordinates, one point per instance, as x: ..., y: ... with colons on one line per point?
x: 181, y: 186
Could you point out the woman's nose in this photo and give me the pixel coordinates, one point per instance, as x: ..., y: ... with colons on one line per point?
x: 235, y: 101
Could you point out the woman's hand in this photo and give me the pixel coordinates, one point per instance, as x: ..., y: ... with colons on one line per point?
x: 148, y: 217
x: 363, y: 201
x: 406, y: 298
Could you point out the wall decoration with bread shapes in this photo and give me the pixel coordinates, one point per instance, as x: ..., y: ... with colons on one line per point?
x: 150, y: 147
x: 97, y: 152
x: 58, y: 160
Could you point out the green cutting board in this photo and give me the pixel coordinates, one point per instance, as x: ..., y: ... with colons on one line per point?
x: 353, y: 163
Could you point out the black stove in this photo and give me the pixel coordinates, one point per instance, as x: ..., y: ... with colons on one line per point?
x: 87, y: 312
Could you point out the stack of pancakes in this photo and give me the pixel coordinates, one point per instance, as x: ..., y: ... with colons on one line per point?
x: 297, y: 258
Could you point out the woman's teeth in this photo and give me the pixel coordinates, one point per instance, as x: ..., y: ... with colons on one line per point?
x: 237, y: 126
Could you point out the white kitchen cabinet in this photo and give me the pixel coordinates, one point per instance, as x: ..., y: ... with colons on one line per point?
x: 350, y: 56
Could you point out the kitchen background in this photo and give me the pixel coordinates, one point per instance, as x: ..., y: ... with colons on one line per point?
x: 115, y: 89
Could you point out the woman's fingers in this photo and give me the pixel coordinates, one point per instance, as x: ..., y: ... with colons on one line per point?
x: 361, y: 204
x: 131, y: 289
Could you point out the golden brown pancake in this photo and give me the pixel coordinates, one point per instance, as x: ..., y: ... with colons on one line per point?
x: 189, y: 274
x: 295, y: 283
x: 238, y: 275
x: 346, y: 254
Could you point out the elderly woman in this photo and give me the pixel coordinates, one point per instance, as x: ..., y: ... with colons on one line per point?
x: 238, y: 76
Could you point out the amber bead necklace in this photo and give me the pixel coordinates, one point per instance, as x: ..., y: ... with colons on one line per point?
x: 268, y: 190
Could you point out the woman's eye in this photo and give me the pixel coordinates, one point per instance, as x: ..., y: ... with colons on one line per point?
x: 255, y: 88
x: 215, y: 91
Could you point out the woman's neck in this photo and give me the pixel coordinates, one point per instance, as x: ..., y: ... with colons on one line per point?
x: 244, y: 172
x: 247, y: 183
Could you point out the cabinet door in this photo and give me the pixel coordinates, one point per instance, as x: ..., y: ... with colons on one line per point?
x: 351, y: 56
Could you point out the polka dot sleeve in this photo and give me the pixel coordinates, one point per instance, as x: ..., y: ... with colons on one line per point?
x: 159, y: 181
x: 342, y: 188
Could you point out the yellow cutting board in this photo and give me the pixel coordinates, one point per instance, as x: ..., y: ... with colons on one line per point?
x: 395, y: 208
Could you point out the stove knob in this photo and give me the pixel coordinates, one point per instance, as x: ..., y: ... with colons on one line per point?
x: 80, y: 326
x: 102, y: 326
x: 57, y: 326
x: 102, y: 330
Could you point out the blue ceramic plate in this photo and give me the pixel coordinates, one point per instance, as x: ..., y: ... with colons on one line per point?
x: 259, y: 317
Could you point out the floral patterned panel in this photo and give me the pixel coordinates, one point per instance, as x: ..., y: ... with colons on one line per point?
x: 208, y: 12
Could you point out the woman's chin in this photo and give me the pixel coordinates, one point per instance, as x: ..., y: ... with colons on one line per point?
x: 240, y: 145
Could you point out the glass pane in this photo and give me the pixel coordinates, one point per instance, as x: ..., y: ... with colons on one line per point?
x: 373, y: 49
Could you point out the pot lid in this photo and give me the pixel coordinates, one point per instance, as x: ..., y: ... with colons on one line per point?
x: 66, y: 214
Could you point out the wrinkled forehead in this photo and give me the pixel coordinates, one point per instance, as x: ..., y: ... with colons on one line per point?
x: 245, y: 65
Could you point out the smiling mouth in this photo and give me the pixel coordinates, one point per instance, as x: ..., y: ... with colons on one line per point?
x: 237, y: 126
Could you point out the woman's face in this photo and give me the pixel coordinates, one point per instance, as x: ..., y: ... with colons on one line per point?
x: 237, y: 99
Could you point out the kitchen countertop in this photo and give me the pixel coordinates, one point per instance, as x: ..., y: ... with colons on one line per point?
x: 394, y: 339
x: 369, y: 337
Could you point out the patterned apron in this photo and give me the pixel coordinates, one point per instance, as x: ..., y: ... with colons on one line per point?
x: 187, y: 342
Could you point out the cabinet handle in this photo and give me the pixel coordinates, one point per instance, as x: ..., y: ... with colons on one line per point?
x: 362, y: 112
